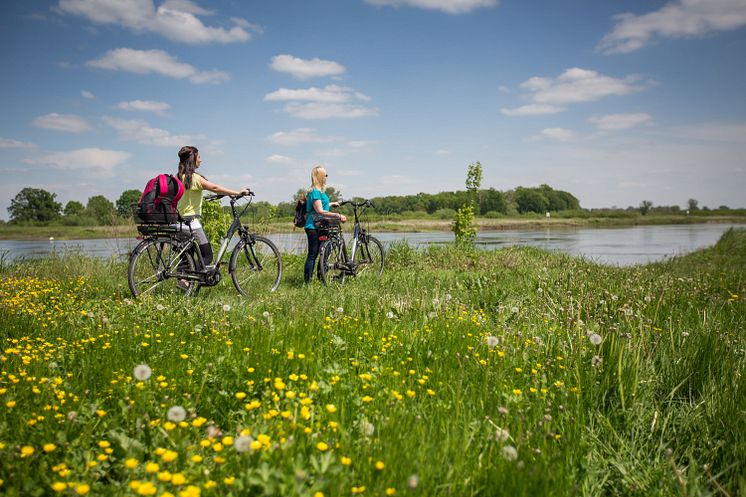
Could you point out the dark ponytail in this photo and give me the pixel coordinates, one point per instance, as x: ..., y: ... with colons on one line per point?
x: 187, y: 165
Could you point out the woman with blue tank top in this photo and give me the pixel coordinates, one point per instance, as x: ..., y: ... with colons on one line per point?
x: 317, y: 207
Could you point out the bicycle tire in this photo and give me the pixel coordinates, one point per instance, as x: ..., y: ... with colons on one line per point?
x: 332, y: 264
x: 255, y: 265
x: 154, y: 267
x: 369, y: 258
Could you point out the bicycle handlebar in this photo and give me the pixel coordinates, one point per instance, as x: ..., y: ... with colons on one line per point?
x: 366, y: 203
x: 218, y: 196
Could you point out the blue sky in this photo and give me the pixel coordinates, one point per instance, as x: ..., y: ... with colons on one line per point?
x: 616, y: 102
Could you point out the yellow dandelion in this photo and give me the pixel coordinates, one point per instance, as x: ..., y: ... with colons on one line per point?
x: 178, y: 479
x: 331, y: 408
x: 59, y: 486
x: 380, y: 465
x: 27, y: 451
x: 390, y: 491
x: 346, y: 461
x: 82, y: 489
x: 49, y: 448
x: 322, y: 446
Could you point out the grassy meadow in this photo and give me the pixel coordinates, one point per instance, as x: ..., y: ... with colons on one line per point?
x: 514, y: 372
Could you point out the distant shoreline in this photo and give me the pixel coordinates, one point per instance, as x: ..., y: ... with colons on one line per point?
x: 9, y: 232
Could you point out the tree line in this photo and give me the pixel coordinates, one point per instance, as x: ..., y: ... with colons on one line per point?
x: 38, y: 206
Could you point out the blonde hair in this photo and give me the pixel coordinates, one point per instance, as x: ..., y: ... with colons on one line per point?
x: 318, y: 178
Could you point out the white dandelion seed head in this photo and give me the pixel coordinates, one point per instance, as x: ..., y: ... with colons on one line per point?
x: 340, y: 310
x: 367, y: 428
x: 492, y: 341
x: 540, y: 290
x: 510, y: 453
x: 160, y: 307
x: 71, y: 415
x: 213, y: 431
x: 448, y: 297
x: 596, y: 360
x: 242, y: 443
x: 142, y: 372
x: 502, y: 410
x: 595, y: 338
x: 685, y: 334
x: 432, y: 314
x: 265, y: 314
x: 390, y: 315
x: 198, y: 327
x: 614, y: 298
x: 436, y: 302
x: 226, y: 307
x: 514, y: 310
x: 413, y: 481
x: 602, y: 301
x: 127, y: 302
x: 502, y: 435
x: 176, y: 414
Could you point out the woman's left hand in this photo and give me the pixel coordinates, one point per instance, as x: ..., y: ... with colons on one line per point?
x: 334, y: 204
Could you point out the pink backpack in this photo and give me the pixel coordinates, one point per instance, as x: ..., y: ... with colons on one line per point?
x: 159, y: 199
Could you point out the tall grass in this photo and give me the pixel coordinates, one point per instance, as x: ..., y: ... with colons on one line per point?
x: 511, y: 372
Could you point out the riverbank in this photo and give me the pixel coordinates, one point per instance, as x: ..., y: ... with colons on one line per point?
x: 10, y: 232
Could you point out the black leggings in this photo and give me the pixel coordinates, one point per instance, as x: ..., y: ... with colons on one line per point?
x: 313, y: 252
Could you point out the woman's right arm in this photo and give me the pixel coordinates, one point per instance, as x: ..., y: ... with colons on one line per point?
x: 215, y: 188
x: 319, y: 208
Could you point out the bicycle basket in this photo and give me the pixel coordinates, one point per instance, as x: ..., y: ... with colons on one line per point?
x: 155, y: 213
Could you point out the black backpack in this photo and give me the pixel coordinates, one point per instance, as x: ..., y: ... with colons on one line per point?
x: 299, y: 218
x: 158, y: 202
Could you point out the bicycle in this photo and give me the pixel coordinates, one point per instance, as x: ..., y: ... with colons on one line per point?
x: 366, y: 256
x: 168, y: 260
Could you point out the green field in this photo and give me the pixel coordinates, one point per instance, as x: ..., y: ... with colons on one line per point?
x: 515, y: 372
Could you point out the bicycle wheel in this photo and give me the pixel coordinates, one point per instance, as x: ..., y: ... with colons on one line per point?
x: 255, y: 267
x: 155, y: 268
x: 332, y: 265
x: 369, y: 258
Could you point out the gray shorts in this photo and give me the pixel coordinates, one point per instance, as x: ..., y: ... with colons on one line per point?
x: 196, y: 228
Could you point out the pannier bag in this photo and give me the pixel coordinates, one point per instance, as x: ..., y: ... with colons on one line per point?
x: 158, y: 202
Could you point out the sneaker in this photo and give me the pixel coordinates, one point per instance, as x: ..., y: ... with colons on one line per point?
x: 183, y: 284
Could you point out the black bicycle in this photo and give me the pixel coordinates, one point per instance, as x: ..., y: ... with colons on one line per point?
x: 366, y: 255
x: 168, y: 260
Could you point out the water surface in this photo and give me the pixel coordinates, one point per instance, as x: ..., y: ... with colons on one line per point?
x: 618, y: 246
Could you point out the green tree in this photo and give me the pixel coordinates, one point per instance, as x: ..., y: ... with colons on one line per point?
x: 645, y: 207
x: 101, y: 209
x: 34, y: 204
x: 125, y: 201
x: 530, y: 200
x: 73, y: 208
x: 333, y: 194
x: 692, y: 204
x: 473, y: 182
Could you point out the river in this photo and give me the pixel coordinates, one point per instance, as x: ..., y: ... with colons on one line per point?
x: 617, y: 246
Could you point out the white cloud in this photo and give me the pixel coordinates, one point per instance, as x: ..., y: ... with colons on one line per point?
x: 447, y: 6
x: 360, y: 144
x: 332, y: 101
x: 317, y: 110
x: 676, y: 19
x: 306, y: 69
x: 575, y: 85
x: 174, y: 19
x: 298, y: 136
x: 140, y: 131
x: 90, y: 159
x: 442, y: 151
x: 621, y: 121
x: 560, y: 134
x: 10, y: 143
x: 532, y: 110
x: 280, y: 159
x: 144, y: 105
x: 87, y: 94
x: 154, y: 62
x: 68, y: 123
x: 330, y: 93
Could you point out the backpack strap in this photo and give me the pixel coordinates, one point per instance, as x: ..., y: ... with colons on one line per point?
x: 179, y: 191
